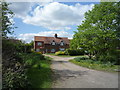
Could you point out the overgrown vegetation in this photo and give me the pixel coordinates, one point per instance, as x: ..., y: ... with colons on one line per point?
x: 99, y: 34
x: 13, y: 68
x: 39, y: 72
x: 19, y: 63
x: 93, y: 64
x: 72, y: 52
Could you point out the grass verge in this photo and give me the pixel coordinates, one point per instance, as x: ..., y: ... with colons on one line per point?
x: 39, y: 72
x: 96, y: 65
x: 53, y: 54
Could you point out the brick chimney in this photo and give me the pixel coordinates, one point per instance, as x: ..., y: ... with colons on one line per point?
x: 55, y: 35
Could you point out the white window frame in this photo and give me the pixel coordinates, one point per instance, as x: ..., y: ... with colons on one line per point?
x: 62, y: 49
x: 52, y: 50
x: 53, y: 43
x: 62, y: 43
x: 39, y: 43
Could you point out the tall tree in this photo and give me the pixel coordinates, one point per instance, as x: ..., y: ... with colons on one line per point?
x: 99, y: 32
x: 7, y: 15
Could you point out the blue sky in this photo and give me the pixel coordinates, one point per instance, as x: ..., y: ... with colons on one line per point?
x: 46, y: 19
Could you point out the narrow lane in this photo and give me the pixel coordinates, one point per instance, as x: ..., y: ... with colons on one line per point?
x: 69, y: 75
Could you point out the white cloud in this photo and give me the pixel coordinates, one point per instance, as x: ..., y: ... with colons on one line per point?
x: 57, y: 16
x: 54, y: 16
x: 30, y: 36
x: 20, y: 9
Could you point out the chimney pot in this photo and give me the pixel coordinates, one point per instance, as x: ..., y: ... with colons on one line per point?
x: 55, y: 35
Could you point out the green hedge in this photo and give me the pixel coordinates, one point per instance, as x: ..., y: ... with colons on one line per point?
x: 13, y: 68
x: 74, y: 52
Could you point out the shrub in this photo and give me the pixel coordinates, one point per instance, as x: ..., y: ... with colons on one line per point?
x: 38, y: 53
x: 31, y: 58
x: 108, y: 58
x: 74, y: 52
x: 15, y: 78
x: 80, y: 58
x: 60, y: 53
x: 13, y: 68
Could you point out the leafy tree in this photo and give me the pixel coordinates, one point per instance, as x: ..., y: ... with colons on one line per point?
x: 7, y: 15
x: 32, y: 44
x: 99, y: 32
x: 13, y: 68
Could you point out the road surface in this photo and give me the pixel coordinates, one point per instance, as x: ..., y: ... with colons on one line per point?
x: 69, y: 75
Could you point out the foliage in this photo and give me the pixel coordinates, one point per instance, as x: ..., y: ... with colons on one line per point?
x: 15, y: 78
x: 60, y: 53
x: 16, y: 62
x: 7, y: 15
x: 74, y: 52
x: 13, y: 67
x: 27, y: 48
x: 38, y: 53
x: 39, y: 72
x: 81, y: 58
x: 14, y: 71
x: 97, y: 65
x: 30, y: 59
x: 98, y: 35
x: 32, y: 44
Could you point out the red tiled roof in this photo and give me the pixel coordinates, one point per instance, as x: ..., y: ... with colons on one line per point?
x: 49, y: 40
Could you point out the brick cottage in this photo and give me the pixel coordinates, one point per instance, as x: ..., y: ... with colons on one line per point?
x: 50, y: 44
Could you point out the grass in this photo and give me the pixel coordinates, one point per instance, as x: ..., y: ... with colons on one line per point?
x: 53, y: 54
x: 97, y: 65
x: 40, y: 77
x: 39, y: 72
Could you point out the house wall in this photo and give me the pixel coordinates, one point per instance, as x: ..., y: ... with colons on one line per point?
x: 46, y: 48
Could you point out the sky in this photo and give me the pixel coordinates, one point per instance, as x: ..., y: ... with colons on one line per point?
x: 47, y: 18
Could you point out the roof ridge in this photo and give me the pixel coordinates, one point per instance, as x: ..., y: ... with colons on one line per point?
x: 50, y: 37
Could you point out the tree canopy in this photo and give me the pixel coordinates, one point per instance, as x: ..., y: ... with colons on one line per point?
x: 99, y: 33
x: 6, y: 18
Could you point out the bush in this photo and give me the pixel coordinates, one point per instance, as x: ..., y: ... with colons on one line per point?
x: 112, y: 56
x: 31, y: 58
x: 60, y: 53
x: 38, y: 53
x: 13, y: 68
x: 74, y: 52
x: 80, y: 58
x: 108, y: 58
x: 15, y: 78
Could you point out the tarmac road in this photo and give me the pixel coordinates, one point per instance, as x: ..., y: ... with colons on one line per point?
x: 69, y: 75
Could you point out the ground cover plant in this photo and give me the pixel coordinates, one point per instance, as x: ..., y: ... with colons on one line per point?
x: 94, y: 64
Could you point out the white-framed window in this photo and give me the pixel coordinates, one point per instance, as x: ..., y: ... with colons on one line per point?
x: 37, y: 50
x: 52, y: 50
x: 62, y: 49
x: 61, y: 43
x: 53, y: 43
x: 39, y: 43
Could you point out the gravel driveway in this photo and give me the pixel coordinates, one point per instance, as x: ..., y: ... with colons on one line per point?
x: 69, y: 75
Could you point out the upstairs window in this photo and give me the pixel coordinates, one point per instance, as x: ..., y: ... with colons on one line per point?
x: 39, y: 44
x: 53, y: 43
x: 62, y: 43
